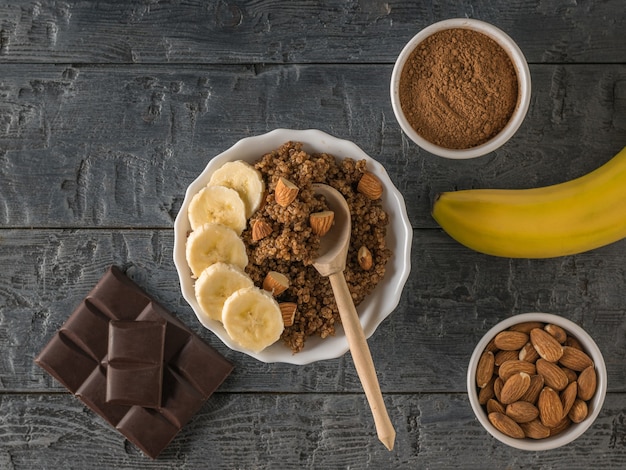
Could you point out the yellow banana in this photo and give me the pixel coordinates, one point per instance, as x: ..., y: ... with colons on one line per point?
x: 558, y: 220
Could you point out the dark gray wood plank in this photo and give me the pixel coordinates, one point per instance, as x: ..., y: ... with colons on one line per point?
x: 117, y: 146
x: 452, y: 298
x: 295, y: 431
x: 303, y: 31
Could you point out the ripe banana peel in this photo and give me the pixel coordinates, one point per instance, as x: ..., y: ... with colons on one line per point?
x: 563, y: 219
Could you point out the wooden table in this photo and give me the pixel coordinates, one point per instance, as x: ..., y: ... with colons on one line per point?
x: 109, y: 109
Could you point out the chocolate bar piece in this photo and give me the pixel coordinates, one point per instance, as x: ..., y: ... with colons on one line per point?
x: 135, y: 362
x: 93, y: 352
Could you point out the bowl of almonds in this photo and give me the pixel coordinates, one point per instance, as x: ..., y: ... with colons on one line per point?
x: 536, y: 381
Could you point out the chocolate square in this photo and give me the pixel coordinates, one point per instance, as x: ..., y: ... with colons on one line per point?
x: 135, y: 362
x: 201, y: 366
x: 176, y: 334
x: 180, y: 400
x: 81, y: 357
x: 117, y: 296
x: 147, y: 429
x: 66, y: 362
x: 132, y: 384
x: 136, y: 342
x: 87, y: 327
x: 93, y: 393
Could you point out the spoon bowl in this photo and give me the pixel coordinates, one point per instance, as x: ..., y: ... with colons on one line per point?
x: 331, y: 262
x: 333, y: 250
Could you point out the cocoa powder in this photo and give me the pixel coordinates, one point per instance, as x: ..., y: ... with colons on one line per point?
x: 458, y: 88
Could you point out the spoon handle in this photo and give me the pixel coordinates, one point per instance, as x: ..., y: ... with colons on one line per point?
x: 362, y: 359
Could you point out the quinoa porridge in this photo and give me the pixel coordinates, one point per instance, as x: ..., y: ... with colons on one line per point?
x: 291, y: 246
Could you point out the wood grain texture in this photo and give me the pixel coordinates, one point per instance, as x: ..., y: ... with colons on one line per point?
x: 294, y: 431
x: 117, y: 146
x: 109, y: 109
x: 451, y: 299
x: 303, y: 31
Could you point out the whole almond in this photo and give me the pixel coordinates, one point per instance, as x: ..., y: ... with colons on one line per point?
x: 491, y: 346
x: 486, y: 393
x: 550, y: 407
x: 528, y: 353
x: 571, y: 375
x: 506, y: 425
x: 587, y: 382
x: 575, y: 359
x: 536, y: 385
x: 510, y: 340
x: 522, y: 411
x: 514, y: 387
x: 555, y: 330
x: 495, y: 405
x: 484, y: 369
x: 535, y: 430
x: 503, y: 356
x: 527, y: 326
x: 568, y: 396
x: 546, y: 345
x: 553, y: 376
x: 497, y: 387
x: 579, y: 411
x: 508, y: 368
x: 574, y: 343
x: 561, y: 426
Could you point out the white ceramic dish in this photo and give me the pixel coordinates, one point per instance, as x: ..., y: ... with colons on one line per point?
x: 595, y: 404
x: 374, y: 309
x: 523, y: 80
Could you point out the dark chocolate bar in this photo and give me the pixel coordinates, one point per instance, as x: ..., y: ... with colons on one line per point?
x: 97, y: 368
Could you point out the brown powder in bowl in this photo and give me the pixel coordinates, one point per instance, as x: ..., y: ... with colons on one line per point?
x: 458, y: 88
x: 291, y: 247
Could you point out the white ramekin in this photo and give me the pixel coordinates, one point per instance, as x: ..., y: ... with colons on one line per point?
x: 523, y: 80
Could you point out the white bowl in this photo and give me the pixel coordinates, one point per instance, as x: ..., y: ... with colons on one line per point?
x: 595, y: 404
x: 374, y: 309
x: 523, y: 80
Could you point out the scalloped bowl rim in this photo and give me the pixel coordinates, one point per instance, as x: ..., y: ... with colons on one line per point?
x: 373, y: 310
x: 595, y: 404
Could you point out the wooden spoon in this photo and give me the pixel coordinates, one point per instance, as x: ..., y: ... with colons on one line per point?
x: 331, y: 262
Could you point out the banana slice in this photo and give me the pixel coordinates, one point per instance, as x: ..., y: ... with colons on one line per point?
x: 212, y: 243
x: 216, y: 284
x: 243, y: 178
x: 220, y: 205
x: 252, y: 318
